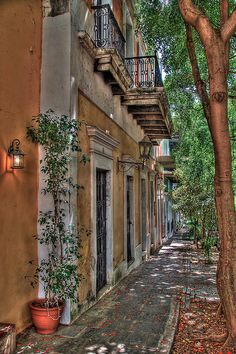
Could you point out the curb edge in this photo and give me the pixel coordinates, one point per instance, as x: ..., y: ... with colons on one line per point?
x: 166, y: 341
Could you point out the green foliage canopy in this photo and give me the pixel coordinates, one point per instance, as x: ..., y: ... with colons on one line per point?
x: 163, y: 29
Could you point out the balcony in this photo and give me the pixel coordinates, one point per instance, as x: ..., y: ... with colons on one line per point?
x: 146, y: 99
x: 166, y: 161
x: 145, y: 71
x: 107, y: 48
x: 137, y: 79
x: 107, y: 31
x: 168, y: 164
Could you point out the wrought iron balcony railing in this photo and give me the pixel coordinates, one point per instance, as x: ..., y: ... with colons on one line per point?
x: 106, y: 29
x: 144, y: 71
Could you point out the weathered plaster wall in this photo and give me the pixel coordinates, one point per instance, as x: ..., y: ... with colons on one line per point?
x: 58, y: 91
x: 92, y: 83
x: 95, y: 116
x: 20, y: 43
x: 56, y: 80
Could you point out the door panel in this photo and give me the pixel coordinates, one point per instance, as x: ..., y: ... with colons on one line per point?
x: 143, y: 214
x: 152, y: 211
x: 101, y: 228
x: 129, y: 203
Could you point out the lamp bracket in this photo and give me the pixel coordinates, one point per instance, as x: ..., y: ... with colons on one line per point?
x: 14, y: 147
x: 125, y: 166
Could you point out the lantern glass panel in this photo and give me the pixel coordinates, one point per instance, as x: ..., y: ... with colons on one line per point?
x: 17, y: 161
x: 147, y: 149
x: 141, y: 150
x: 145, y: 146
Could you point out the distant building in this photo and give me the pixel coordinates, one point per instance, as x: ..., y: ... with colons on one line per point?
x: 165, y: 159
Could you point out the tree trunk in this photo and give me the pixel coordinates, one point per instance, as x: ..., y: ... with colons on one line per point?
x: 226, y: 273
x: 216, y: 46
x: 203, y: 230
x: 199, y: 83
x: 194, y: 234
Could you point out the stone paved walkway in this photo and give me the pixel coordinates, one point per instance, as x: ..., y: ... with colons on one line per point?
x: 133, y: 317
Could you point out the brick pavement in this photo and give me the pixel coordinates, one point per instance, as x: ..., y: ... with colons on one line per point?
x: 133, y: 317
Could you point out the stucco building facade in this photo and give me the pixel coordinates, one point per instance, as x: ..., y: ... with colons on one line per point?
x: 20, y: 63
x: 87, y: 60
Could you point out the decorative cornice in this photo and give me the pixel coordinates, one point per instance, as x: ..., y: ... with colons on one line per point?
x: 100, y: 141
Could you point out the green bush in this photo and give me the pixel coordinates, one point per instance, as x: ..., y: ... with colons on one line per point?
x: 207, y: 243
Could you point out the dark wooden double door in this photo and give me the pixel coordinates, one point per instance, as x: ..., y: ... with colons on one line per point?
x: 101, y: 226
x: 129, y: 218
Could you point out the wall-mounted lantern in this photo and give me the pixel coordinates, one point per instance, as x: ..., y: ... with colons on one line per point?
x: 145, y: 146
x: 17, y: 156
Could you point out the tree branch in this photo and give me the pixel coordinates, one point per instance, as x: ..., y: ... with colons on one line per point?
x: 192, y: 15
x: 199, y: 83
x: 224, y: 11
x: 229, y: 27
x: 224, y: 15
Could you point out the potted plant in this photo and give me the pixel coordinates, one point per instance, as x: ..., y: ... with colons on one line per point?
x: 58, y: 270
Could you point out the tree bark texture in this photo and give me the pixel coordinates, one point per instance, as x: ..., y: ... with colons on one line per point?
x: 215, y: 43
x: 199, y: 83
x: 203, y: 230
x: 195, y: 234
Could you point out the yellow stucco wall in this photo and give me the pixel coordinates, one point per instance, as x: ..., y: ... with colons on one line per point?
x: 94, y: 116
x: 20, y: 43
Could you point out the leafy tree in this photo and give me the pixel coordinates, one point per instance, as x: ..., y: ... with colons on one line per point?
x: 194, y: 196
x: 202, y: 68
x: 58, y: 271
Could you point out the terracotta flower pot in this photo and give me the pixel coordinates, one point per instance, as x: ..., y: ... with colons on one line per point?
x: 45, y: 320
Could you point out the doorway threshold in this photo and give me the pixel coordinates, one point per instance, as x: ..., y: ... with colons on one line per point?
x: 130, y: 262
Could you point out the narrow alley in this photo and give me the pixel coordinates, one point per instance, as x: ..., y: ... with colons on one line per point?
x: 139, y: 315
x: 117, y: 176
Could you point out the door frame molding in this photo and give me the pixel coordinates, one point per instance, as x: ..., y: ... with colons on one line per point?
x: 153, y: 231
x: 101, y: 157
x: 129, y: 173
x: 104, y: 237
x: 143, y: 176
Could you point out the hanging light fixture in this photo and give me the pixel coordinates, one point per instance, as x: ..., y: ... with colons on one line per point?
x: 145, y: 146
x: 17, y: 156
